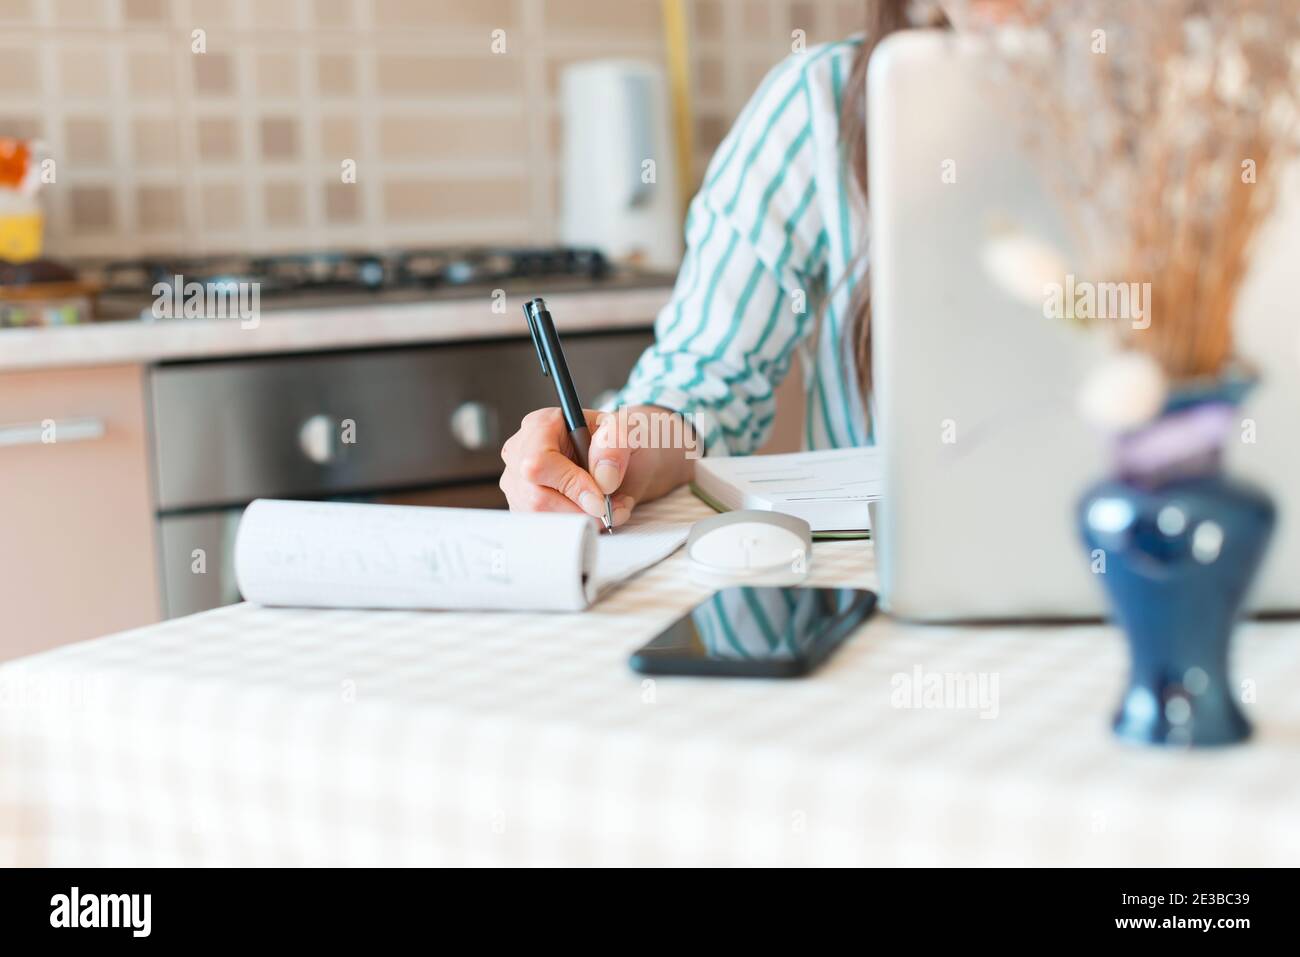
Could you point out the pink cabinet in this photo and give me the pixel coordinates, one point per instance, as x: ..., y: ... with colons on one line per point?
x: 78, y: 556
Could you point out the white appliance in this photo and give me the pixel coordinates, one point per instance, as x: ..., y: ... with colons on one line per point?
x: 619, y: 183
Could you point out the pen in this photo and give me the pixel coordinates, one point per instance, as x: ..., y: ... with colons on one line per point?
x: 551, y: 354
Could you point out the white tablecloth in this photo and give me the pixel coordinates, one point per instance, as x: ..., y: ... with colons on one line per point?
x: 266, y: 736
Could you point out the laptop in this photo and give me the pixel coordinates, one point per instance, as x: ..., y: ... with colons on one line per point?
x: 984, y: 455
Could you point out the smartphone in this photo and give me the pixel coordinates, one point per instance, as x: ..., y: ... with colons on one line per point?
x: 757, y: 632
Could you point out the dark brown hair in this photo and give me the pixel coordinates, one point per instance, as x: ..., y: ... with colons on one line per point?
x: 883, y: 18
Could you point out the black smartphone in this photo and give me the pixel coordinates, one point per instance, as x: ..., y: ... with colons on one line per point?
x: 757, y: 632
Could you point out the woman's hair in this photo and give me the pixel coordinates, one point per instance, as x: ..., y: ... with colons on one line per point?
x: 883, y: 18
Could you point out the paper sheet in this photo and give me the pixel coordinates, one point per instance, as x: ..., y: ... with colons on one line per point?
x: 347, y: 555
x: 851, y: 475
x: 830, y: 489
x: 634, y: 546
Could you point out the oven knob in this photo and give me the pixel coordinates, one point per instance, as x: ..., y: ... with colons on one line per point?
x: 316, y: 438
x: 474, y: 424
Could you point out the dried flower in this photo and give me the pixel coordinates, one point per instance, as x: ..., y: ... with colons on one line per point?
x: 1168, y: 137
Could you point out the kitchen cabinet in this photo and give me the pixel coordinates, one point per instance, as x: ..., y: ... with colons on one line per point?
x: 78, y: 556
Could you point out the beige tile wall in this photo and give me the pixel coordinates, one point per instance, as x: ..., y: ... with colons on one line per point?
x: 163, y: 149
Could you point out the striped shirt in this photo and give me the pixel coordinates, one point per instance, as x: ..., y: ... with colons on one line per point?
x: 773, y: 251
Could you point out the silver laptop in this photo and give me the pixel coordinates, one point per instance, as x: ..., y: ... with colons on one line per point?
x: 984, y: 455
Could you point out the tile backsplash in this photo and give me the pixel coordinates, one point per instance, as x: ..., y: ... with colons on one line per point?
x: 162, y: 149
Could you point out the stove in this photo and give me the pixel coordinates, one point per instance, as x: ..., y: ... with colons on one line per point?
x: 327, y: 280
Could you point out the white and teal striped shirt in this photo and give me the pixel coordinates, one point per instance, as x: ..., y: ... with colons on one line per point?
x: 773, y: 243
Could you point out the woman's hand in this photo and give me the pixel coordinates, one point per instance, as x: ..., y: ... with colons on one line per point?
x: 542, y: 476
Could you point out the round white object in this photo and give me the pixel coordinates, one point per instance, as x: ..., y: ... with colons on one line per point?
x: 751, y: 547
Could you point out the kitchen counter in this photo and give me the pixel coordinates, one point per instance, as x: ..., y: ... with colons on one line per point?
x: 349, y: 327
x: 254, y: 736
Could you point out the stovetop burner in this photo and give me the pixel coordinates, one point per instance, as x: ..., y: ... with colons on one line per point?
x: 323, y: 280
x: 360, y: 272
x: 336, y: 280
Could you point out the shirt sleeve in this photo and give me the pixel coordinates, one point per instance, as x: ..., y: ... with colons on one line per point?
x: 755, y: 241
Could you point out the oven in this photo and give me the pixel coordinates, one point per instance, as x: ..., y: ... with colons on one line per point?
x: 415, y: 425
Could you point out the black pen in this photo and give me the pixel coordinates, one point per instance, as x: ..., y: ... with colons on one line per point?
x: 551, y: 355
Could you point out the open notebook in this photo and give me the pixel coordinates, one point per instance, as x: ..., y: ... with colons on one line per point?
x: 831, y: 489
x: 346, y: 555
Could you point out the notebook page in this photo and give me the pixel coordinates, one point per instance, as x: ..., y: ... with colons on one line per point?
x: 633, y: 547
x: 851, y: 475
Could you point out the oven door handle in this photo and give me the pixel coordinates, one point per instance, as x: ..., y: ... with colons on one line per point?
x: 52, y: 431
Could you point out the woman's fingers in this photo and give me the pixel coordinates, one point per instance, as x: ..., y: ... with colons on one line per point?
x: 538, y: 456
x: 623, y: 505
x: 525, y: 497
x: 610, y: 454
x: 541, y: 475
x: 551, y: 470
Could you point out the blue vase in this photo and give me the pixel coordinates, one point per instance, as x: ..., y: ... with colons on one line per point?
x: 1176, y: 545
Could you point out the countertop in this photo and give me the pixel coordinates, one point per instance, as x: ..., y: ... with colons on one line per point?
x: 249, y: 735
x: 389, y: 324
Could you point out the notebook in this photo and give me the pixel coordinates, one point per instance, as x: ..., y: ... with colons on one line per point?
x: 349, y: 555
x: 831, y: 490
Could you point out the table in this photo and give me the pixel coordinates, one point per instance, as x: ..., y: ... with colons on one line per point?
x: 254, y: 736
